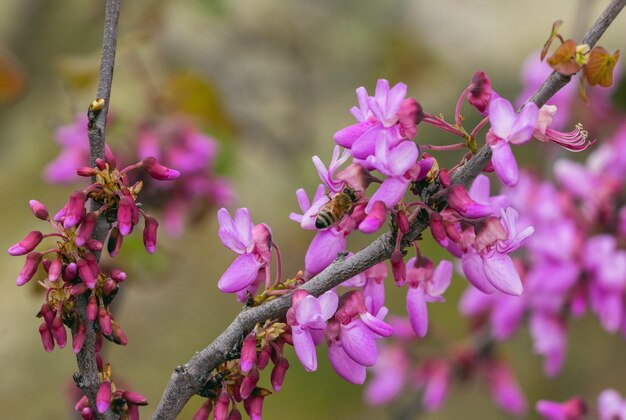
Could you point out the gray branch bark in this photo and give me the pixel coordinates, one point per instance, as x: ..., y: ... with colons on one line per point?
x: 188, y: 379
x: 87, y: 376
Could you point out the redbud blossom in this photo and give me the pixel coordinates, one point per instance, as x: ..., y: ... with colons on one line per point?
x: 86, y: 228
x: 46, y: 337
x: 479, y: 91
x: 125, y: 216
x: 55, y: 269
x: 94, y: 245
x: 75, y: 209
x: 249, y: 383
x: 58, y: 330
x: 459, y: 200
x: 254, y: 406
x: 27, y: 244
x: 410, y: 114
x: 86, y: 171
x: 39, y: 210
x: 204, y: 411
x: 150, y: 233
x: 104, y: 321
x: 92, y: 308
x: 248, y: 352
x: 103, y: 398
x: 70, y: 272
x: 86, y: 273
x: 134, y: 398
x: 29, y: 269
x: 221, y: 406
x: 118, y: 275
x: 374, y: 219
x: 158, y: 171
x: 78, y: 338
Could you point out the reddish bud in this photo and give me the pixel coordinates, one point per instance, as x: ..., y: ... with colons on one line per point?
x: 109, y: 286
x: 422, y: 169
x: 86, y: 228
x: 119, y: 337
x: 278, y: 373
x: 437, y: 229
x: 78, y: 338
x: 410, y: 114
x: 58, y: 330
x: 125, y: 216
x: 70, y: 272
x: 398, y: 268
x: 248, y: 352
x: 29, y: 269
x: 86, y: 274
x: 94, y: 245
x: 101, y: 164
x: 133, y: 412
x: 46, y: 337
x: 134, y: 398
x: 374, y: 219
x: 92, y: 308
x: 46, y: 265
x: 104, y: 321
x: 264, y: 356
x: 234, y: 414
x: 150, y: 233
x: 27, y: 244
x: 158, y: 171
x: 444, y: 178
x: 55, y: 269
x: 118, y: 275
x: 47, y: 314
x: 109, y: 157
x: 87, y: 413
x: 115, y: 242
x: 403, y: 222
x: 221, y: 406
x: 452, y: 232
x: 254, y: 406
x: 103, y: 398
x: 82, y: 403
x: 459, y: 200
x: 356, y: 176
x: 60, y: 214
x: 249, y: 383
x: 204, y: 411
x: 479, y: 91
x: 86, y: 171
x: 75, y: 209
x: 39, y: 210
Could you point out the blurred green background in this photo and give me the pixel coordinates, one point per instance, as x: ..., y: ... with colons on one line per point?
x: 272, y: 80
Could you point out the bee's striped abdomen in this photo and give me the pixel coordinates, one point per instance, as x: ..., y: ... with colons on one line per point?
x: 324, y: 219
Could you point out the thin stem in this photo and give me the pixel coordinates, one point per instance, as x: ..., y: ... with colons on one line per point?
x: 188, y: 379
x: 446, y: 148
x: 279, y: 264
x: 442, y: 124
x: 478, y: 127
x: 87, y: 377
x: 457, y: 111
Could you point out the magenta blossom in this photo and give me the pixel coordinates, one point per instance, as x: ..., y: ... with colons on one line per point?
x: 251, y: 243
x: 74, y: 141
x: 575, y: 140
x: 507, y: 128
x: 390, y: 372
x: 611, y: 405
x: 307, y: 317
x: 425, y: 285
x: 572, y: 409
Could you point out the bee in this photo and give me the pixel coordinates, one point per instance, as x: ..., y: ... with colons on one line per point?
x: 332, y: 212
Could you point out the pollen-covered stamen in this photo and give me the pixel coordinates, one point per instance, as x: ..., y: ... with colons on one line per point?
x: 575, y: 140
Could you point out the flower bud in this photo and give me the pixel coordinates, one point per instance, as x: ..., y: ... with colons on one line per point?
x: 109, y: 287
x: 86, y: 171
x: 29, y: 269
x: 125, y: 216
x: 27, y: 244
x: 254, y: 405
x: 398, y: 268
x: 410, y: 114
x: 249, y: 383
x: 101, y: 164
x: 221, y: 406
x: 264, y: 356
x: 55, y: 269
x: 104, y: 321
x: 459, y: 200
x: 278, y: 373
x: 234, y: 414
x: 115, y: 242
x: 103, y: 398
x: 479, y: 91
x: 75, y: 209
x: 86, y: 273
x: 119, y: 337
x: 61, y: 213
x: 94, y: 245
x: 78, y: 338
x: 70, y: 272
x: 58, y: 329
x: 403, y: 222
x: 87, y: 413
x: 133, y: 412
x: 118, y: 275
x: 86, y: 228
x: 158, y: 171
x: 109, y: 157
x: 444, y: 178
x: 150, y: 233
x: 204, y: 411
x: 47, y: 314
x: 92, y: 308
x: 437, y: 229
x: 82, y: 403
x: 46, y: 337
x: 134, y: 398
x: 39, y: 210
x: 248, y: 352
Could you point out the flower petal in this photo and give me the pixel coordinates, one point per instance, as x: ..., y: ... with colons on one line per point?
x: 524, y: 125
x: 474, y: 271
x: 345, y: 366
x: 359, y: 343
x: 442, y: 276
x: 418, y: 312
x: 240, y: 274
x: 501, y: 272
x: 390, y: 192
x: 504, y: 163
x: 323, y: 250
x: 308, y: 311
x: 305, y: 348
x: 376, y: 325
x: 328, y: 304
x: 501, y: 116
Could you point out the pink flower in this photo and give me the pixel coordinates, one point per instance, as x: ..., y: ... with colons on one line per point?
x: 390, y: 373
x: 307, y: 317
x: 611, y: 405
x: 505, y: 390
x: 572, y: 409
x: 507, y: 128
x: 575, y: 140
x: 249, y: 242
x: 327, y: 175
x: 548, y: 334
x: 74, y: 141
x: 425, y: 285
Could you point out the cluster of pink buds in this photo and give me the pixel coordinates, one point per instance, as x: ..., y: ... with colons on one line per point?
x: 610, y: 406
x: 236, y: 381
x: 175, y: 142
x: 124, y: 404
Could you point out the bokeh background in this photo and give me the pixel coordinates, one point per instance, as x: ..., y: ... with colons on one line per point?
x: 272, y: 81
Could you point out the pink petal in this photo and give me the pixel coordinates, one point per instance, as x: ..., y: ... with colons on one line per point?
x: 524, y: 125
x: 241, y: 273
x: 244, y: 227
x: 394, y: 99
x: 308, y: 312
x: 501, y: 272
x: 359, y: 343
x: 227, y: 232
x: 401, y: 158
x: 323, y: 250
x: 474, y: 271
x: 504, y: 163
x: 345, y: 366
x: 442, y: 276
x: 305, y: 348
x: 390, y: 192
x: 376, y: 325
x: 328, y: 304
x: 502, y: 117
x: 480, y: 191
x: 365, y: 145
x: 418, y: 313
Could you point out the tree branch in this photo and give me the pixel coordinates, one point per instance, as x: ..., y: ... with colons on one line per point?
x: 87, y: 376
x: 188, y: 379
